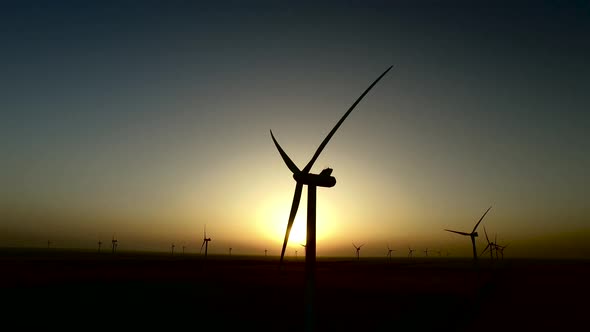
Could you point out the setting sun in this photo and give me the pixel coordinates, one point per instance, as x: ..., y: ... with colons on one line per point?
x: 273, y: 216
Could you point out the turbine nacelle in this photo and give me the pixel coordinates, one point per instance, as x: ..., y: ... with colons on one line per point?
x: 319, y: 180
x: 474, y: 234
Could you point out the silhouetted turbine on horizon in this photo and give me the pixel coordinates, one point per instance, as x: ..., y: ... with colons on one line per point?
x: 99, y: 245
x: 114, y: 243
x: 172, y: 249
x: 324, y: 179
x: 358, y: 249
x: 230, y: 251
x: 48, y: 244
x: 410, y: 251
x: 206, y: 241
x: 491, y: 245
x: 426, y: 252
x: 389, y: 250
x: 265, y: 251
x: 473, y: 233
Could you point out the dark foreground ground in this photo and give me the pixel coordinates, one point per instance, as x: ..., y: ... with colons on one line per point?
x: 70, y: 290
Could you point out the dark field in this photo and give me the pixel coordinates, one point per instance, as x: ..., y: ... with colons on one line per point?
x: 55, y: 289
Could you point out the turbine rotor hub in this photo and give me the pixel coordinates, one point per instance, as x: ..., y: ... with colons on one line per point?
x: 318, y: 180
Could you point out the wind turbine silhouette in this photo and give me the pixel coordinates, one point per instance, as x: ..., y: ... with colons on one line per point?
x: 206, y: 241
x: 114, y: 243
x: 501, y: 250
x: 48, y: 244
x: 304, y: 177
x: 230, y: 251
x: 491, y: 245
x: 426, y: 252
x: 473, y: 234
x: 389, y: 250
x: 99, y: 245
x: 172, y: 249
x: 410, y: 251
x: 358, y: 249
x: 265, y: 251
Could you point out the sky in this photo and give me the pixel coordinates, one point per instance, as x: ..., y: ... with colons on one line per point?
x: 148, y: 120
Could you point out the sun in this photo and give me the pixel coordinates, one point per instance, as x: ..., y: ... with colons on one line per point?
x: 272, y: 219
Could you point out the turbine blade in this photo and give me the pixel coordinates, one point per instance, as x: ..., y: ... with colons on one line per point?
x: 294, y: 206
x: 286, y: 158
x: 202, y: 246
x: 462, y: 233
x: 327, y: 139
x: 361, y: 245
x: 486, y: 249
x: 486, y: 233
x: 480, y: 219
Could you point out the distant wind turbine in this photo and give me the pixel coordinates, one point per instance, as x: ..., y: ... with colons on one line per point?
x: 48, y: 244
x: 114, y: 243
x: 172, y: 249
x: 389, y: 250
x: 358, y: 249
x: 410, y: 251
x: 99, y: 245
x: 426, y: 252
x: 473, y: 234
x: 230, y: 251
x: 206, y: 241
x: 491, y: 245
x: 265, y: 251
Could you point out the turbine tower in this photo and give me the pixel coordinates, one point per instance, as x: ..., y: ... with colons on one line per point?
x: 358, y: 250
x: 99, y: 245
x: 172, y: 249
x: 473, y: 234
x: 324, y: 179
x: 230, y: 249
x: 206, y: 241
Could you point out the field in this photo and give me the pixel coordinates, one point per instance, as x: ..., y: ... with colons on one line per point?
x: 76, y: 290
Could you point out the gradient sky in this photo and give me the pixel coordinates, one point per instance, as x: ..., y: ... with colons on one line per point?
x: 150, y: 119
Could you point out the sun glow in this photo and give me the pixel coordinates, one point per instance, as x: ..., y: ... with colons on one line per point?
x: 273, y: 216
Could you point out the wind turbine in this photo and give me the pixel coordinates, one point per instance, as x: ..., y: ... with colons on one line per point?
x: 114, y: 243
x: 183, y: 246
x: 389, y: 250
x: 99, y: 245
x: 473, y: 233
x: 265, y: 251
x: 501, y: 250
x: 324, y: 179
x: 172, y: 249
x: 491, y: 245
x: 358, y: 249
x: 205, y: 241
x: 426, y: 252
x: 48, y: 244
x: 410, y: 251
x: 438, y: 252
x: 230, y: 251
